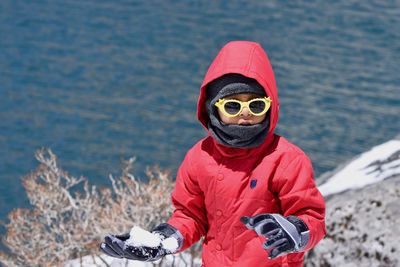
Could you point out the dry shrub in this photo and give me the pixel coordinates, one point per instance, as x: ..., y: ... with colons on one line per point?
x: 69, y: 217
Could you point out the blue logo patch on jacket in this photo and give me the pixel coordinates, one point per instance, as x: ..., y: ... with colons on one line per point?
x: 253, y: 183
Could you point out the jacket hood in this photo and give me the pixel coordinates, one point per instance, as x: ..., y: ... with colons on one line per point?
x: 248, y: 59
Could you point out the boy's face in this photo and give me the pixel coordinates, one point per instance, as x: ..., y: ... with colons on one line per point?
x: 244, y: 117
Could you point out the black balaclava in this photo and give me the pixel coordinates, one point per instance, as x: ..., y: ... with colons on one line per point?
x: 233, y: 135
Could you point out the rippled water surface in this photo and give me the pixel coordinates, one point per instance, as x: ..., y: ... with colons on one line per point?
x: 100, y: 81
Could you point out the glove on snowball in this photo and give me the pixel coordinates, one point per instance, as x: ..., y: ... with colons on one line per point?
x: 284, y: 234
x: 118, y: 246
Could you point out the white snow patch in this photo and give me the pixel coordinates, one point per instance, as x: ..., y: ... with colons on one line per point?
x: 95, y: 261
x: 170, y: 244
x: 105, y: 261
x: 375, y: 165
x: 139, y: 237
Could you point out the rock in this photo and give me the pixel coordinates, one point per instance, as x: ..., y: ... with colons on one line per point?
x: 363, y: 228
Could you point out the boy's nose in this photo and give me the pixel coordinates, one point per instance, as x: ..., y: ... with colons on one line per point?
x: 245, y: 113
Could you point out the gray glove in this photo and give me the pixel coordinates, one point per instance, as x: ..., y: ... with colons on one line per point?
x: 284, y: 235
x: 115, y: 246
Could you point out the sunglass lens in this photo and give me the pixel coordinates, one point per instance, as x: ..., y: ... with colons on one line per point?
x: 232, y: 107
x: 257, y: 106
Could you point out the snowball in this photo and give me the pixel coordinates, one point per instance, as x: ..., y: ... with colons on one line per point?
x: 170, y: 244
x: 140, y: 237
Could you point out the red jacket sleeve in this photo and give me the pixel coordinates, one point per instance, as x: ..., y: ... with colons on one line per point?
x: 298, y: 195
x: 189, y: 216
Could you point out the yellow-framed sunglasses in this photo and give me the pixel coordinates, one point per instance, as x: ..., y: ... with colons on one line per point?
x: 233, y: 107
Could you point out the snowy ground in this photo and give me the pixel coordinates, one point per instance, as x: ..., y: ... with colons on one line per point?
x: 91, y: 261
x: 375, y: 165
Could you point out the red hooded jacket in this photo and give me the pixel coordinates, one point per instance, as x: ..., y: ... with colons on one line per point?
x: 213, y: 189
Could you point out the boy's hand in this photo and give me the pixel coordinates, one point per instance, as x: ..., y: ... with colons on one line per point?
x: 115, y: 246
x: 119, y: 246
x: 284, y: 235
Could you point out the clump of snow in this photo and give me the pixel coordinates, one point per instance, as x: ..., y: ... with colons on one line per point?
x: 375, y: 165
x: 139, y: 237
x: 170, y: 244
x: 142, y: 238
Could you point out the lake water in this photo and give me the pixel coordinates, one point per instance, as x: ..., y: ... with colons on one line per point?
x: 101, y: 81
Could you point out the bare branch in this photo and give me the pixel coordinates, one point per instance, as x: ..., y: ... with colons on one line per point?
x: 69, y: 217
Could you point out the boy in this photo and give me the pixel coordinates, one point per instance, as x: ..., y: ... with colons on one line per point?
x: 248, y: 191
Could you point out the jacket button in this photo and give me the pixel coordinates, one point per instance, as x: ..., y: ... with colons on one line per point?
x: 218, y: 247
x: 219, y: 212
x: 220, y: 177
